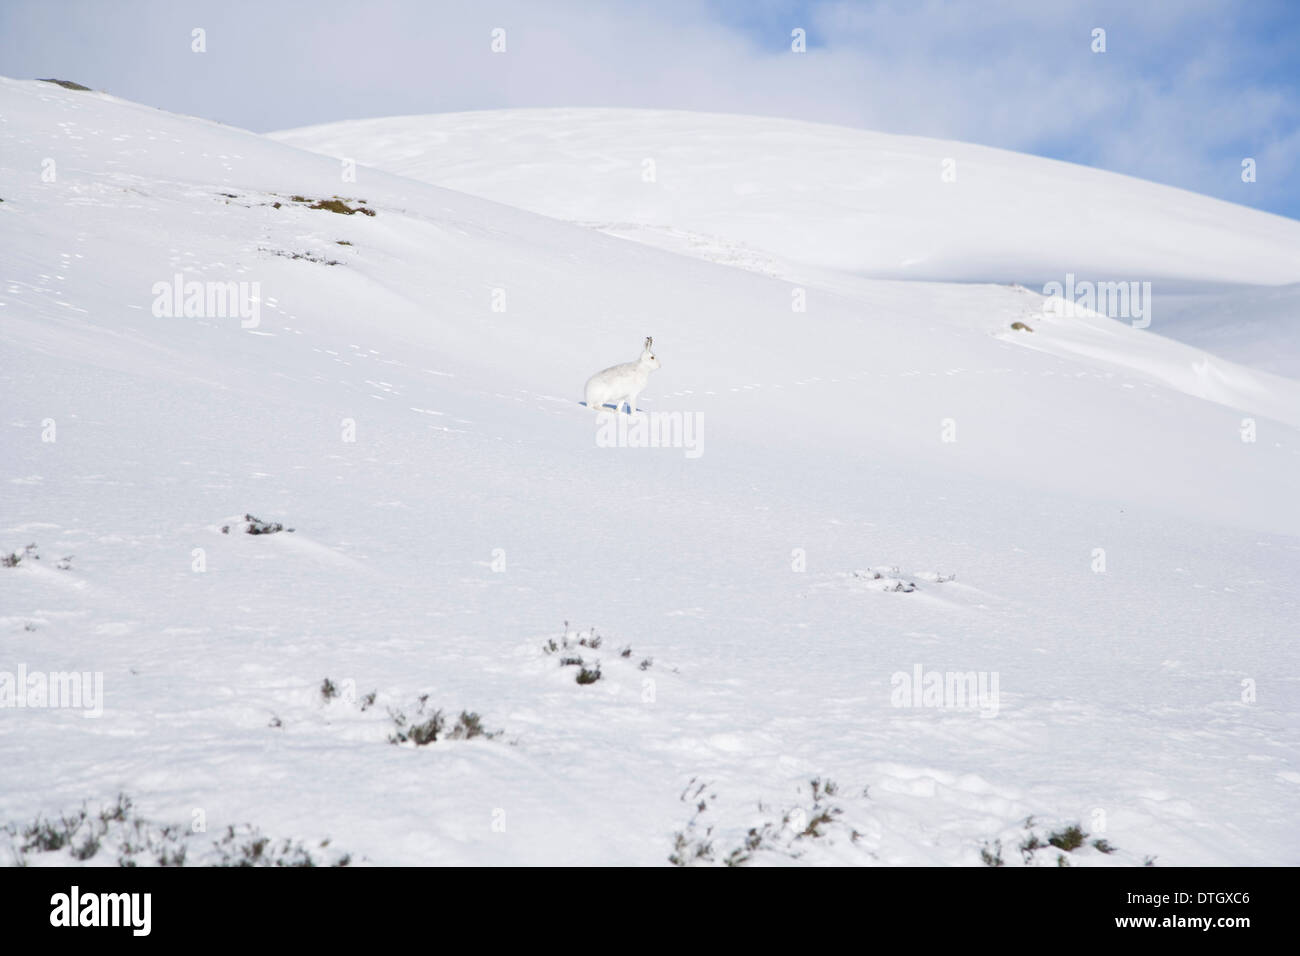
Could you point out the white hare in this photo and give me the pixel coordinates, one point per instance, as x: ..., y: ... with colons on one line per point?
x: 620, y: 383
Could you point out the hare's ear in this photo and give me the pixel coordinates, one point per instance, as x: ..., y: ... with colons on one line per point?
x: 649, y: 342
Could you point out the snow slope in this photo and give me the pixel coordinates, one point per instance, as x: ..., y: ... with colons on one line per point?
x: 475, y: 512
x: 1257, y: 326
x: 790, y: 197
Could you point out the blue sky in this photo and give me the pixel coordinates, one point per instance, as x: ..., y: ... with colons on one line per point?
x: 1184, y: 92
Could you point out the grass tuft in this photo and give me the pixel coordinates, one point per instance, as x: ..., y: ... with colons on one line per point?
x: 67, y: 85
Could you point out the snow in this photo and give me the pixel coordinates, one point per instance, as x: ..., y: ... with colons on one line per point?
x: 793, y: 198
x: 454, y: 512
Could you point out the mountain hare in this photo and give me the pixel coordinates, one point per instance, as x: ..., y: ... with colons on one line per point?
x: 622, y: 382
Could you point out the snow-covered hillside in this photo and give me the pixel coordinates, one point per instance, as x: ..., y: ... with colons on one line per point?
x: 890, y: 482
x: 790, y: 198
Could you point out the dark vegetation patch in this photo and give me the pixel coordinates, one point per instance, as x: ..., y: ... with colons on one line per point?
x: 418, y: 725
x: 117, y: 831
x: 428, y: 724
x: 67, y: 84
x: 1068, y: 838
x: 251, y: 525
x: 797, y: 830
x: 310, y: 257
x: 888, y: 578
x: 567, y: 648
x: 246, y: 846
x: 335, y: 204
x: 14, y: 558
x: 1065, y: 840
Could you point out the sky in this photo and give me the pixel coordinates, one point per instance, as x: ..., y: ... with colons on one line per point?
x: 1183, y: 94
